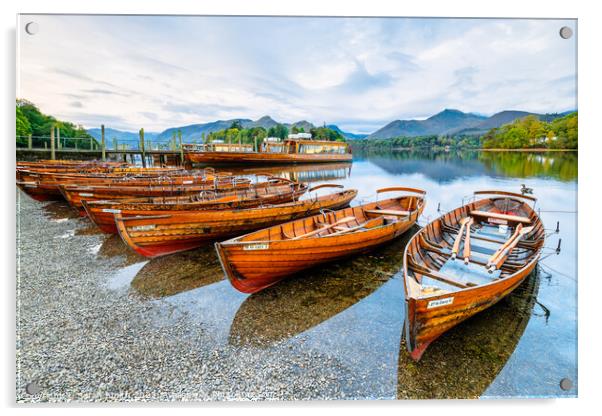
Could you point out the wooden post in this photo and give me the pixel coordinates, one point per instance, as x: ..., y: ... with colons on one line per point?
x: 172, y: 144
x: 58, y: 137
x: 255, y: 143
x: 102, y: 141
x: 52, y: 154
x: 29, y: 141
x: 142, y: 148
x: 115, y: 144
x: 181, y: 148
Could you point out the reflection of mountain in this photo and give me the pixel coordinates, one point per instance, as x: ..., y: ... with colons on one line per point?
x: 302, y: 173
x: 447, y: 166
x: 438, y: 166
x: 181, y: 272
x: 308, y: 299
x: 465, y: 360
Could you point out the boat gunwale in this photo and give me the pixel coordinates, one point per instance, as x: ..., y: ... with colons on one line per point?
x: 236, y: 240
x: 534, y: 259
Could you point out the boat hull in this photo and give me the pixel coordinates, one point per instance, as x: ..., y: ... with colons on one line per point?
x: 263, y: 157
x: 76, y: 194
x: 449, y: 277
x: 160, y: 233
x: 252, y: 267
x: 102, y: 213
x: 426, y: 325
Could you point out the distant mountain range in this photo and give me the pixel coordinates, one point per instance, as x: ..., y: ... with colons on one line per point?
x: 121, y: 136
x: 195, y: 131
x: 454, y: 122
x: 447, y: 122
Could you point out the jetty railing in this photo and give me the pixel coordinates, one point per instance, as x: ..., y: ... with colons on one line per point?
x: 145, y: 147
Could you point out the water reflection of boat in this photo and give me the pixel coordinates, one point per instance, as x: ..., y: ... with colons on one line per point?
x: 113, y: 246
x: 465, y: 360
x: 181, y: 272
x: 58, y: 210
x: 301, y: 303
x: 301, y: 173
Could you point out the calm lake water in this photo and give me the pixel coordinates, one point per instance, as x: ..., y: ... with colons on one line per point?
x: 353, y: 310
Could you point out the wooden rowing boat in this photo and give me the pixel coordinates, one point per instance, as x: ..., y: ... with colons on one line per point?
x: 45, y: 186
x: 155, y: 234
x: 260, y: 259
x: 76, y: 194
x: 466, y: 261
x: 475, y: 353
x: 101, y: 212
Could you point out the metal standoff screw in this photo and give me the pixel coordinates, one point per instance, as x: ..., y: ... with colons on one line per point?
x: 566, y: 32
x: 33, y: 388
x: 566, y: 384
x: 32, y: 28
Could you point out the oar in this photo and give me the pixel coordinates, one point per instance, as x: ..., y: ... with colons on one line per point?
x: 456, y: 246
x: 504, y: 255
x: 339, y: 222
x: 467, y: 242
x: 499, y: 251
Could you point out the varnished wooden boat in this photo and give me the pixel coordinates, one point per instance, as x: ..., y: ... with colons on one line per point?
x: 260, y: 259
x: 287, y: 151
x: 467, y: 260
x: 44, y: 186
x: 155, y: 234
x: 76, y: 194
x: 101, y: 212
x: 479, y: 349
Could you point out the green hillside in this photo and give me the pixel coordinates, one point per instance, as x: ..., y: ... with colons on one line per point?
x: 31, y: 121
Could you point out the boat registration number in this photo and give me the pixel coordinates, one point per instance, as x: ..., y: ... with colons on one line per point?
x: 111, y: 210
x: 85, y: 194
x: 440, y: 302
x: 143, y: 227
x: 497, y: 221
x: 256, y: 246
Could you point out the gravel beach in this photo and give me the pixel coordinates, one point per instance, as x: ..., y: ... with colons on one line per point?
x: 83, y: 336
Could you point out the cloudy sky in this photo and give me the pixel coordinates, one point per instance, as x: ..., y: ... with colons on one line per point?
x: 158, y: 72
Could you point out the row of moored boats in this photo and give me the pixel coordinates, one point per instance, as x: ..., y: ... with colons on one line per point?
x: 454, y: 267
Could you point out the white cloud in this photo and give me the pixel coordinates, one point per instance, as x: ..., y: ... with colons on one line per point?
x: 158, y: 72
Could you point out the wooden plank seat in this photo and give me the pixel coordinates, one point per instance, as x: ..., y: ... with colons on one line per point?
x: 506, y: 217
x: 524, y: 243
x: 387, y: 212
x: 324, y: 227
x: 434, y: 274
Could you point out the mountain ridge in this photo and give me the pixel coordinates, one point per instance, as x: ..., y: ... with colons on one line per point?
x: 195, y: 131
x: 446, y: 122
x: 455, y: 122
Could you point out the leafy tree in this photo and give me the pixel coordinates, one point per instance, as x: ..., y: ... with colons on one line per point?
x: 278, y: 130
x: 40, y: 125
x: 23, y: 127
x: 236, y: 124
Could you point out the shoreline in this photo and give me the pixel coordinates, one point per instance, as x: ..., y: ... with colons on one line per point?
x: 476, y: 149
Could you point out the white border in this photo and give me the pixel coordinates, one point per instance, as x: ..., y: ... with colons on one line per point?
x: 590, y: 125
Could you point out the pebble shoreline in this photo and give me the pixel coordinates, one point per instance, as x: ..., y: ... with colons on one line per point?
x: 79, y: 341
